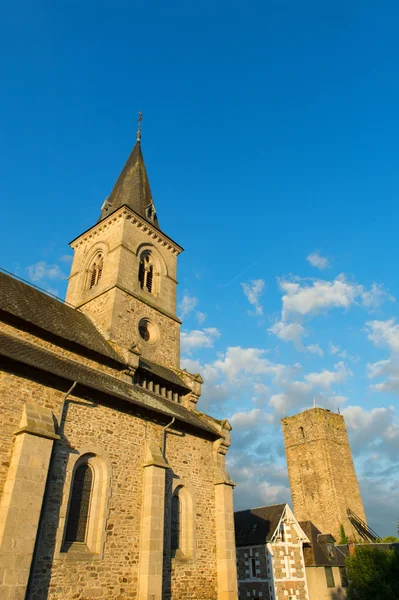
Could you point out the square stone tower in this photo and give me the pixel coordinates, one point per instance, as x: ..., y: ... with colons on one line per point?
x: 321, y: 471
x: 123, y: 274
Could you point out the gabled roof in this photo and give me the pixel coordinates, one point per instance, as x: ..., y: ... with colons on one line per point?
x: 52, y: 316
x: 321, y: 550
x: 257, y: 525
x: 132, y: 189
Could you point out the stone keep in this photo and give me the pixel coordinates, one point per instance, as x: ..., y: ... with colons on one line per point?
x: 321, y: 471
x: 112, y: 484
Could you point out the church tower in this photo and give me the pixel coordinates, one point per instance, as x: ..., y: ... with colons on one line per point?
x: 321, y: 471
x: 123, y: 274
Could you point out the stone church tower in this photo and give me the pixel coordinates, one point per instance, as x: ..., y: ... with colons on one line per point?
x: 112, y: 484
x: 321, y: 471
x: 133, y: 299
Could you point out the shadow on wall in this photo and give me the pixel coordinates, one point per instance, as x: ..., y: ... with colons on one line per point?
x: 43, y: 557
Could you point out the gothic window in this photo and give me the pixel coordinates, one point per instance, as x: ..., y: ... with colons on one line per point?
x: 302, y: 432
x: 176, y: 523
x: 146, y: 273
x: 95, y: 271
x: 79, y: 505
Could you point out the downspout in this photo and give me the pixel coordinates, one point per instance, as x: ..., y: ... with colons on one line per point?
x: 65, y: 398
x: 164, y: 434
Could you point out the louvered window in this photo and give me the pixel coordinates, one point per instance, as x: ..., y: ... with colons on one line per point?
x: 79, y: 505
x: 141, y: 273
x: 93, y: 277
x: 149, y: 279
x: 96, y: 271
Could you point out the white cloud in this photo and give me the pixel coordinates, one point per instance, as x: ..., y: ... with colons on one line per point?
x: 374, y: 297
x: 289, y: 332
x: 318, y: 261
x: 295, y: 394
x: 253, y: 291
x: 66, y: 258
x: 384, y: 333
x: 41, y: 270
x: 315, y: 349
x: 304, y: 299
x: 325, y: 379
x: 187, y: 305
x: 198, y: 338
x: 239, y: 360
x: 201, y: 317
x: 246, y: 421
x: 310, y: 299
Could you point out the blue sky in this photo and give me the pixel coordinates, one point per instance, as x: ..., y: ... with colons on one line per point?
x: 270, y: 136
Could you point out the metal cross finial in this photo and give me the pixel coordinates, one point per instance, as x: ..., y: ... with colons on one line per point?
x: 140, y: 118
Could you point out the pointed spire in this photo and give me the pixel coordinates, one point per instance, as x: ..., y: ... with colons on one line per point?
x: 132, y: 187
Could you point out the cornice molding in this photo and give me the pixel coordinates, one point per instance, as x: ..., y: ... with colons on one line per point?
x: 129, y: 215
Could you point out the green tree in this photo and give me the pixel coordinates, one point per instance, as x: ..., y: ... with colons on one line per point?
x: 343, y: 538
x: 390, y: 539
x: 373, y: 574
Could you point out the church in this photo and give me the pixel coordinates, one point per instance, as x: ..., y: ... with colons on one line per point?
x: 112, y: 484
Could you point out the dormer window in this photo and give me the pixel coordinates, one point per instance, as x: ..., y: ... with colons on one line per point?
x: 95, y: 271
x: 146, y: 273
x: 150, y: 212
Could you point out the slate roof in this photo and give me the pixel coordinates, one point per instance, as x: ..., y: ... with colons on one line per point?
x: 162, y: 373
x: 257, y: 525
x: 51, y: 315
x: 322, y: 550
x: 132, y: 188
x: 38, y: 357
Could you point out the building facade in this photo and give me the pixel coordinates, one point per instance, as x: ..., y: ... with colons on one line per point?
x: 270, y: 562
x: 325, y: 565
x: 112, y: 484
x: 321, y: 472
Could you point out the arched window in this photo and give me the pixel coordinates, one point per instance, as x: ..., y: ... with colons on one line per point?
x: 146, y: 272
x: 78, y: 516
x: 182, y: 524
x: 302, y: 432
x: 95, y: 271
x: 176, y: 523
x: 84, y: 511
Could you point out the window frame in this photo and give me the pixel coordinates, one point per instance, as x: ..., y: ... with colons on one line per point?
x: 83, y: 507
x: 186, y: 550
x: 93, y: 547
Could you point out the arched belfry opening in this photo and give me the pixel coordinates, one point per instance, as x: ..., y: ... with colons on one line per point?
x: 146, y: 272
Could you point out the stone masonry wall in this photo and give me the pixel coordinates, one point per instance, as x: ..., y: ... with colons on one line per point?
x: 122, y: 238
x: 121, y: 436
x: 247, y: 586
x: 321, y: 471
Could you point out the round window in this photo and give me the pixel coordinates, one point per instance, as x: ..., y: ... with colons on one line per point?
x: 148, y: 331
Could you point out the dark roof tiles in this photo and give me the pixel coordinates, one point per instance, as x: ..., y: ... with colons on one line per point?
x: 35, y: 356
x: 257, y: 525
x: 132, y: 189
x: 322, y: 550
x: 35, y: 307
